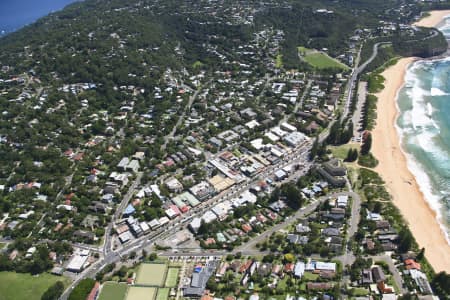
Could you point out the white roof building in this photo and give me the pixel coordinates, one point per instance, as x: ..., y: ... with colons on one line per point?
x: 326, y: 266
x: 123, y: 163
x: 154, y: 224
x: 299, y: 269
x: 164, y: 221
x: 271, y: 136
x: 342, y: 201
x: 252, y: 124
x: 257, y: 144
x: 78, y: 261
x: 209, y: 216
x: 195, y: 224
x: 294, y: 139
x: 288, y: 127
x: 144, y: 226
x: 171, y: 213
x: 280, y: 175
x: 278, y: 131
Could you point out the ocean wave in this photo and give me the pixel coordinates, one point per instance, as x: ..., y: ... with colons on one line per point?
x: 427, y: 157
x: 432, y: 197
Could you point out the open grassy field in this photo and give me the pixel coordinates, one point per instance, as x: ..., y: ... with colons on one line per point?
x: 279, y: 61
x: 357, y: 292
x: 308, y: 276
x: 342, y: 150
x: 163, y: 294
x: 320, y: 60
x: 18, y: 286
x: 141, y: 293
x: 172, y: 277
x: 113, y: 291
x: 151, y: 274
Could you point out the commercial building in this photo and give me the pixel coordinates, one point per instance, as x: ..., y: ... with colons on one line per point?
x: 78, y: 261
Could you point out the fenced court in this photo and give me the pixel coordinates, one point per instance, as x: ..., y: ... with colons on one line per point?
x: 141, y: 293
x: 172, y: 277
x: 163, y: 294
x: 151, y: 275
x: 113, y: 291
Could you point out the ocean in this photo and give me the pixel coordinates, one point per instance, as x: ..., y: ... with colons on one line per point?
x: 424, y: 128
x: 14, y: 14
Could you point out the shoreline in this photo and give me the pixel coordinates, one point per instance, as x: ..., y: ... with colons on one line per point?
x: 435, y: 18
x: 400, y: 181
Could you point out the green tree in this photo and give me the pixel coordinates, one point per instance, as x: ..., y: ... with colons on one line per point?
x: 405, y: 240
x: 82, y: 290
x: 352, y: 155
x: 153, y: 256
x: 54, y: 291
x: 289, y: 257
x: 441, y: 285
x: 367, y: 144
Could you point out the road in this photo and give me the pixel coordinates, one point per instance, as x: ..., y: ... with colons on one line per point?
x: 298, y: 155
x: 356, y: 71
x: 393, y: 269
x: 299, y: 103
x: 304, y: 211
x: 187, y: 108
x: 126, y: 199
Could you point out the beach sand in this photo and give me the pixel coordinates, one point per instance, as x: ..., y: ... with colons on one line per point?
x: 435, y: 17
x: 400, y: 182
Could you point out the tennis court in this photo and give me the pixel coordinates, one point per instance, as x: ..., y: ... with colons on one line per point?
x: 172, y: 277
x: 163, y: 294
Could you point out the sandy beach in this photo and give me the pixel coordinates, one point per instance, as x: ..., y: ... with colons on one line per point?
x: 400, y: 182
x: 435, y: 17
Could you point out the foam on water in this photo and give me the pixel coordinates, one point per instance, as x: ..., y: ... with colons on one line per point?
x: 427, y: 84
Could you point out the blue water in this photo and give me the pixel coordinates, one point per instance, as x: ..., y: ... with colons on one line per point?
x: 14, y: 14
x: 424, y: 125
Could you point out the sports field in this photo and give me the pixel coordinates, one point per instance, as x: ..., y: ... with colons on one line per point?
x: 172, y: 277
x: 14, y: 286
x: 113, y: 291
x: 163, y: 294
x: 151, y: 274
x: 319, y: 59
x: 141, y: 293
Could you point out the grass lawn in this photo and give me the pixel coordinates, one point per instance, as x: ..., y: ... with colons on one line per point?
x: 141, y: 293
x: 163, y: 294
x: 320, y: 60
x: 172, y: 277
x: 279, y: 61
x: 18, y: 286
x: 359, y: 292
x: 113, y: 291
x: 341, y: 151
x: 151, y: 274
x: 282, y: 283
x: 392, y: 282
x: 308, y: 276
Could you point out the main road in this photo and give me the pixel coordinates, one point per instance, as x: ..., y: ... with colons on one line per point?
x: 119, y: 211
x: 298, y: 155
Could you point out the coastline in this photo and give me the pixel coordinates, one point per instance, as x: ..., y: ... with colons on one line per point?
x: 400, y: 182
x: 435, y: 18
